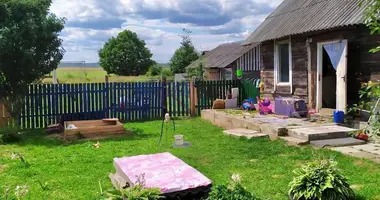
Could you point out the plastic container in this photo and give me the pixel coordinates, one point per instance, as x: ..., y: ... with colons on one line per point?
x: 178, y: 140
x: 338, y: 116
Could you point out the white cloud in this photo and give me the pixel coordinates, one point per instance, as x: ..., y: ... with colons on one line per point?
x: 91, y: 22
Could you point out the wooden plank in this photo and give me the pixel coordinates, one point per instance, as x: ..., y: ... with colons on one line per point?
x: 178, y: 97
x: 187, y: 96
x: 170, y: 98
x: 33, y: 109
x: 183, y: 98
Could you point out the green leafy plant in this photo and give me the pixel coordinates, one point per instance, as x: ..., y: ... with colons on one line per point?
x: 233, y: 191
x: 19, y: 192
x: 367, y: 93
x: 136, y: 192
x: 166, y: 73
x: 320, y: 180
x: 197, y: 72
x: 154, y: 70
x: 10, y: 135
x: 22, y: 159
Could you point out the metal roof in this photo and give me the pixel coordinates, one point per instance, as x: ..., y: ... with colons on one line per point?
x: 223, y: 55
x: 294, y: 17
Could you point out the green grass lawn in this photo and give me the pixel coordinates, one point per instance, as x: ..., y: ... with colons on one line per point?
x: 92, y: 75
x: 72, y: 171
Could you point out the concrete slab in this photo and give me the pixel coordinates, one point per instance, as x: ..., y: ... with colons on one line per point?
x: 340, y: 142
x: 292, y: 141
x: 241, y: 132
x: 320, y: 132
x: 370, y: 148
x: 353, y: 151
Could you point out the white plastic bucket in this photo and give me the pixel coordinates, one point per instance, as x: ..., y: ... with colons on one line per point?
x: 178, y: 140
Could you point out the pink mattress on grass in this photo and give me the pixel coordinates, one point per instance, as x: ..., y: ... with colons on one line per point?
x: 162, y: 170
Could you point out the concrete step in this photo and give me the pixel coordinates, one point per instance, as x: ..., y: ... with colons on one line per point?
x: 241, y: 132
x: 340, y: 142
x: 293, y: 141
x: 320, y: 132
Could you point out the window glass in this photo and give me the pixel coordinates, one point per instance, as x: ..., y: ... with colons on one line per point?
x: 283, y: 68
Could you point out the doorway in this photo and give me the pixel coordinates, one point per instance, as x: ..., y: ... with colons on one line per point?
x: 328, y: 82
x: 332, y: 75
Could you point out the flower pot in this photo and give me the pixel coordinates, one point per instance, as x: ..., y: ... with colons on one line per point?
x: 362, y: 136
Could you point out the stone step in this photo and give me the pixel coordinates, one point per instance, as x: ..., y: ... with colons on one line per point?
x: 320, y: 132
x: 293, y: 141
x: 340, y: 142
x: 241, y: 132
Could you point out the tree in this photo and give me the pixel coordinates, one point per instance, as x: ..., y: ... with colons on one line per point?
x: 154, y: 70
x: 197, y: 72
x: 29, y: 45
x: 372, y: 11
x: 185, y: 55
x: 125, y: 55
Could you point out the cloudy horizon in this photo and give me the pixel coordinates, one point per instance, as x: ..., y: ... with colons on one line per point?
x: 90, y: 23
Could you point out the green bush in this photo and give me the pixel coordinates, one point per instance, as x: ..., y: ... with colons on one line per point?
x: 234, y: 191
x: 154, y: 70
x: 166, y: 73
x: 320, y: 180
x: 9, y: 135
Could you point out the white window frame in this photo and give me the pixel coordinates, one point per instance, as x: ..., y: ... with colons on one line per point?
x: 277, y: 63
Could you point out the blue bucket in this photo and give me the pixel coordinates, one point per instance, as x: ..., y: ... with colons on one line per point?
x: 338, y: 117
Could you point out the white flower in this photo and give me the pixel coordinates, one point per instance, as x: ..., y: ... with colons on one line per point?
x: 21, y: 191
x: 236, y: 178
x: 14, y: 156
x: 167, y: 117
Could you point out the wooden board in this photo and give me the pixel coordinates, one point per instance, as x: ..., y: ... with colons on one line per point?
x: 94, y: 128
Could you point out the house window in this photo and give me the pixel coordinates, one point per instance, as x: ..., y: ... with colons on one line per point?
x: 283, y: 64
x: 226, y: 74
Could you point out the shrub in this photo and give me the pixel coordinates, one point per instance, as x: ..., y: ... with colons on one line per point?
x: 166, y: 73
x: 154, y: 70
x: 136, y: 192
x: 234, y: 191
x: 9, y: 135
x: 320, y: 180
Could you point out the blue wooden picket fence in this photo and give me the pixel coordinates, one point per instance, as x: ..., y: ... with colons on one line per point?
x: 47, y: 104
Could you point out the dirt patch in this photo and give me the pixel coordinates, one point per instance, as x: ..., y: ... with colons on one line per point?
x: 3, y: 168
x: 300, y: 163
x: 359, y: 163
x: 285, y: 155
x: 357, y: 187
x: 278, y: 176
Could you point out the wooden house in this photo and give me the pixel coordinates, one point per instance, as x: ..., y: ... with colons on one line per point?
x: 222, y: 62
x: 317, y: 50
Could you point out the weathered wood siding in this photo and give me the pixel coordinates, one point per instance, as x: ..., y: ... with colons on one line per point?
x: 362, y: 65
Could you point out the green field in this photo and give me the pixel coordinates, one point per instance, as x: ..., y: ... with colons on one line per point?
x: 92, y: 75
x: 74, y: 171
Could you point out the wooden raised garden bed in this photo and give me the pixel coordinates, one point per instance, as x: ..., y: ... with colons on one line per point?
x: 93, y: 129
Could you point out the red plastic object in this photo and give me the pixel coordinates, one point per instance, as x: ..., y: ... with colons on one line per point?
x: 362, y: 136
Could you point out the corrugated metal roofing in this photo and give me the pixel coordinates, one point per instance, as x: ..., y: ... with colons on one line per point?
x: 223, y: 55
x: 294, y: 17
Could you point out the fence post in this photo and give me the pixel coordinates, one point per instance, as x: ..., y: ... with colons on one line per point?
x: 192, y: 97
x: 4, y: 115
x: 164, y: 97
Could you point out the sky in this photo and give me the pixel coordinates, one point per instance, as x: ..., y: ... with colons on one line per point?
x: 90, y: 23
